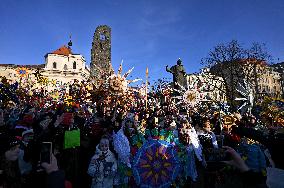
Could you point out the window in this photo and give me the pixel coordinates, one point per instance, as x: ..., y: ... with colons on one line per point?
x: 102, y: 37
x: 54, y: 65
x: 74, y: 65
x: 65, y: 67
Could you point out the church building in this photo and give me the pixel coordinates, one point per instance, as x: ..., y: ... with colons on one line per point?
x: 60, y: 69
x: 65, y: 66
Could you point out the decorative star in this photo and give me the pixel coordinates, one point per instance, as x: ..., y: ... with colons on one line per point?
x: 22, y: 72
x: 246, y: 92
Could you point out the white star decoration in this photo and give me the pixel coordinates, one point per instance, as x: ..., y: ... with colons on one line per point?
x: 246, y: 92
x: 118, y: 83
x: 190, y: 96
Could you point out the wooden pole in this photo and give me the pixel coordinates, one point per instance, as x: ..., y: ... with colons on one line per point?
x: 146, y: 89
x: 221, y: 125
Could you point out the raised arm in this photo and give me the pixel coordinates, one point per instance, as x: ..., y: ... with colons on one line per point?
x: 168, y: 70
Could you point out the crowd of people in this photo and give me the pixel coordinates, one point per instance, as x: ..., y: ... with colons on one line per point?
x: 209, y: 152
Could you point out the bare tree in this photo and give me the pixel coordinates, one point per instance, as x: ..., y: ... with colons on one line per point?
x: 222, y: 61
x: 259, y: 51
x: 256, y: 64
x: 235, y: 64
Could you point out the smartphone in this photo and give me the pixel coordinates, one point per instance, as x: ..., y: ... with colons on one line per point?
x: 46, y: 152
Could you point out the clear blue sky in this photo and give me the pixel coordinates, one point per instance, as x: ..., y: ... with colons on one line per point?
x: 152, y: 33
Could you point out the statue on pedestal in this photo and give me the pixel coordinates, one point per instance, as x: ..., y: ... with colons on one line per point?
x: 179, y: 74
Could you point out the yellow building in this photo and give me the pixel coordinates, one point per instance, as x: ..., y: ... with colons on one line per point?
x: 264, y: 80
x: 269, y: 83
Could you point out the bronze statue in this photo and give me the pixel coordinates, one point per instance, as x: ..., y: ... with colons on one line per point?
x: 179, y: 74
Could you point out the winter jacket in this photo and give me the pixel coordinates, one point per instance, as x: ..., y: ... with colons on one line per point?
x: 102, y: 171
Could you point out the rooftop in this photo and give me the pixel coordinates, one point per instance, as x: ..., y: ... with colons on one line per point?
x: 63, y: 50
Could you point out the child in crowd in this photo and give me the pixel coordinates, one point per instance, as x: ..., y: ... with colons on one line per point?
x: 206, y: 136
x: 103, y: 166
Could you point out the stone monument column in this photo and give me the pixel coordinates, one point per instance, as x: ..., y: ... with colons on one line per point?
x: 101, y: 66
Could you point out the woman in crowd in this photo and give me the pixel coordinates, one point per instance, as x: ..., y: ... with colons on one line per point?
x: 10, y: 172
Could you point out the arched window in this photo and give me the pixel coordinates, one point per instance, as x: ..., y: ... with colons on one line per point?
x: 65, y: 67
x: 54, y: 65
x: 74, y: 65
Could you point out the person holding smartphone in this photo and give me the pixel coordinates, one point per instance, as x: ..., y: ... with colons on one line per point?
x: 55, y: 177
x: 9, y: 171
x: 10, y: 175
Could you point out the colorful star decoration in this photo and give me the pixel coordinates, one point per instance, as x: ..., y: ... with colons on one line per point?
x: 155, y: 164
x: 22, y: 71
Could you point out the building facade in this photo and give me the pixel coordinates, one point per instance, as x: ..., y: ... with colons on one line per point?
x: 19, y: 73
x: 263, y: 79
x: 269, y: 83
x: 279, y: 67
x: 61, y: 68
x: 63, y: 65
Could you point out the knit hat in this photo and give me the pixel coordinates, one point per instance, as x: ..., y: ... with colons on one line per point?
x: 27, y: 136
